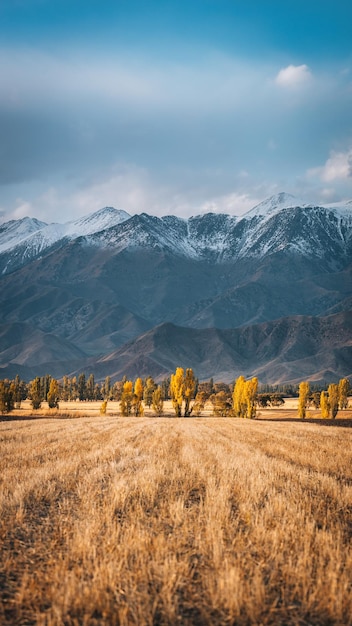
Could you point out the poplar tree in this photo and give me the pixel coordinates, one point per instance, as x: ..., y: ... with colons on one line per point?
x: 251, y: 392
x: 126, y: 398
x: 303, y: 398
x: 324, y: 405
x: 189, y: 390
x: 176, y: 390
x: 182, y: 388
x: 157, y: 401
x: 90, y: 387
x: 35, y: 393
x: 344, y: 388
x: 53, y: 394
x: 137, y: 398
x: 82, y: 387
x: 7, y: 396
x: 149, y: 389
x: 333, y: 393
x: 239, y: 402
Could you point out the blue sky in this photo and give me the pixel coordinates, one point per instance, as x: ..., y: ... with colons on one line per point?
x: 174, y: 106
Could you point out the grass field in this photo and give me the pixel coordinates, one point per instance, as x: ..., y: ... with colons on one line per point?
x: 109, y: 520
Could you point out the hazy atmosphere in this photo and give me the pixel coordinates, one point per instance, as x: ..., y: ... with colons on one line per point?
x: 172, y: 107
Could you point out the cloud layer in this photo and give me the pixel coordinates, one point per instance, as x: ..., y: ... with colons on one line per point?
x: 212, y: 132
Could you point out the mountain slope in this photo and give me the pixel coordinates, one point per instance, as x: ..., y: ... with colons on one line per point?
x: 104, y: 280
x: 285, y: 350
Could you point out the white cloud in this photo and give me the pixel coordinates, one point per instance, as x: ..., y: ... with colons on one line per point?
x: 293, y: 76
x: 337, y: 167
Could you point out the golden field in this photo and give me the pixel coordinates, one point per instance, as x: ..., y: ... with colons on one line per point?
x: 156, y: 521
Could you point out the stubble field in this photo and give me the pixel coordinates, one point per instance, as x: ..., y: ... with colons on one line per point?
x: 109, y: 520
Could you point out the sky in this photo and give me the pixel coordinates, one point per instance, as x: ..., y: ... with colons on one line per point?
x: 172, y: 107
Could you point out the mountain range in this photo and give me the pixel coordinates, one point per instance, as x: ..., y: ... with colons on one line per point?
x: 268, y: 293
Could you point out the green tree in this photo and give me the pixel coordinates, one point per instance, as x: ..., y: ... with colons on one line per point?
x: 53, y: 394
x: 303, y: 397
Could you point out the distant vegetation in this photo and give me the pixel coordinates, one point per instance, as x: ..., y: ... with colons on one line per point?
x: 188, y: 396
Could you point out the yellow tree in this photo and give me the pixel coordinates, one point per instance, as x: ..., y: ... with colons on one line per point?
x: 239, y: 397
x: 157, y: 401
x: 333, y: 393
x: 137, y: 398
x: 251, y: 393
x: 324, y: 405
x: 344, y: 388
x: 126, y: 398
x: 53, y: 394
x: 176, y: 390
x: 303, y: 398
x: 188, y: 390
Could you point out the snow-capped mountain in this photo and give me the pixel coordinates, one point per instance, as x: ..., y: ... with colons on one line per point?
x: 273, y: 205
x: 15, y: 231
x: 88, y: 286
x: 28, y: 238
x: 278, y: 224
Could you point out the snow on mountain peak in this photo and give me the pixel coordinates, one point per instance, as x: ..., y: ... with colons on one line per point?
x: 14, y: 231
x: 96, y: 221
x: 273, y: 205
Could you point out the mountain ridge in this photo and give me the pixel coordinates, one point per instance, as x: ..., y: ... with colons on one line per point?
x: 122, y: 276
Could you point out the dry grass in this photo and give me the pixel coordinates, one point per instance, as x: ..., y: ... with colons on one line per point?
x: 108, y: 520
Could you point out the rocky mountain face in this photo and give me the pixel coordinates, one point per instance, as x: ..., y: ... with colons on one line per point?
x: 104, y: 280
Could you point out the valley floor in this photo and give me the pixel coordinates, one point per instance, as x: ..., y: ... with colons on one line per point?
x: 139, y: 521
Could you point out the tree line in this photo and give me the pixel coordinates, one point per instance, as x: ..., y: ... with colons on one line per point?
x: 187, y: 394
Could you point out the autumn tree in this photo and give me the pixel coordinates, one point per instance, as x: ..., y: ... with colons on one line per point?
x: 238, y: 397
x: 82, y: 387
x: 182, y: 388
x: 7, y: 396
x: 53, y: 394
x: 324, y: 405
x: 251, y: 391
x: 333, y: 393
x: 137, y: 398
x: 107, y: 388
x: 126, y: 398
x: 303, y: 398
x: 90, y: 387
x: 199, y: 402
x: 344, y: 388
x: 157, y: 401
x: 176, y: 390
x: 149, y: 389
x: 17, y: 390
x: 190, y: 386
x: 222, y: 405
x: 35, y: 393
